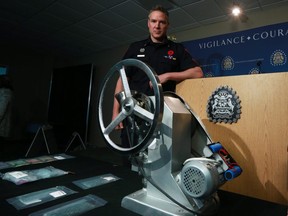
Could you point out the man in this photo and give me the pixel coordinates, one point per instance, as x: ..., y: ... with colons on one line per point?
x: 6, y: 95
x: 170, y: 60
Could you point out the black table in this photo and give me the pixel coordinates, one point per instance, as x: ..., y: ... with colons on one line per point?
x: 129, y: 182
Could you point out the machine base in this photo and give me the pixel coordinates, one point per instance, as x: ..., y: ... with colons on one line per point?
x: 140, y: 203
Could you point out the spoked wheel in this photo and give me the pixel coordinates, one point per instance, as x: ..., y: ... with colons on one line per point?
x: 141, y: 120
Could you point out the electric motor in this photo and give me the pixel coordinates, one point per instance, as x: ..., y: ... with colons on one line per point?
x: 199, y: 179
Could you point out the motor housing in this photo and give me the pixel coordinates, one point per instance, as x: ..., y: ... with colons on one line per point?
x: 199, y: 178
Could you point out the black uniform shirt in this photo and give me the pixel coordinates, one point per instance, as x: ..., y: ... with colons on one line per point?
x: 162, y: 57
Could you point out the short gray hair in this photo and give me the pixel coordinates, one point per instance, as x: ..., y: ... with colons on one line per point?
x: 161, y: 9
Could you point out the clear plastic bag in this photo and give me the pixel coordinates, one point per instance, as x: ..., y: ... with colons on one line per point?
x: 4, y: 165
x: 95, y: 181
x: 73, y: 208
x: 22, y: 177
x: 39, y: 197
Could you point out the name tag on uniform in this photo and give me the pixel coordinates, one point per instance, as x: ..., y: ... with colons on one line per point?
x: 140, y: 56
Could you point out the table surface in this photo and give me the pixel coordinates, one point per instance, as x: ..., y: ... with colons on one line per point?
x: 129, y: 182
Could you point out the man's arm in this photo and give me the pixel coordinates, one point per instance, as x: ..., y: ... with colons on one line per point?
x: 191, y: 73
x: 116, y: 105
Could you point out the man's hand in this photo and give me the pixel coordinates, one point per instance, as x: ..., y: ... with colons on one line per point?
x: 163, y: 78
x: 178, y: 77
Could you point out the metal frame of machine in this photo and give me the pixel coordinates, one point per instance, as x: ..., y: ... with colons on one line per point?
x: 181, y: 166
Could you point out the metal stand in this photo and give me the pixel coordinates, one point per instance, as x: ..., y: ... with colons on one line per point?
x: 139, y: 202
x: 42, y: 133
x: 74, y: 135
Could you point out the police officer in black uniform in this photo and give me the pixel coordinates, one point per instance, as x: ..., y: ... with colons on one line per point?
x: 164, y: 57
x: 170, y: 60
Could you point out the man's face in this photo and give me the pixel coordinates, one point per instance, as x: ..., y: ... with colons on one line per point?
x: 158, y: 26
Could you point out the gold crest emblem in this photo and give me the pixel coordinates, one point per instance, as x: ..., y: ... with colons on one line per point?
x: 227, y: 63
x: 278, y: 58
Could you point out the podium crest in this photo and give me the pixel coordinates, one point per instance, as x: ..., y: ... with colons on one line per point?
x: 224, y: 105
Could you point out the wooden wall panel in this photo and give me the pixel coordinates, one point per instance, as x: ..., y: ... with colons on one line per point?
x: 259, y: 139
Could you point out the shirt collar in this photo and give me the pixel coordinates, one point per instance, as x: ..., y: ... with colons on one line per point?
x: 149, y: 41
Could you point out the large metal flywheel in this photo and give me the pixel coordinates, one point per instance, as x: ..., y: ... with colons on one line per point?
x: 141, y: 114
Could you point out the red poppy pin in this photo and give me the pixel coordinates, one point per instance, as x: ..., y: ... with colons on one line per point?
x: 170, y: 52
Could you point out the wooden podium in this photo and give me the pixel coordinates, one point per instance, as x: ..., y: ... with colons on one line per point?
x: 258, y: 141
